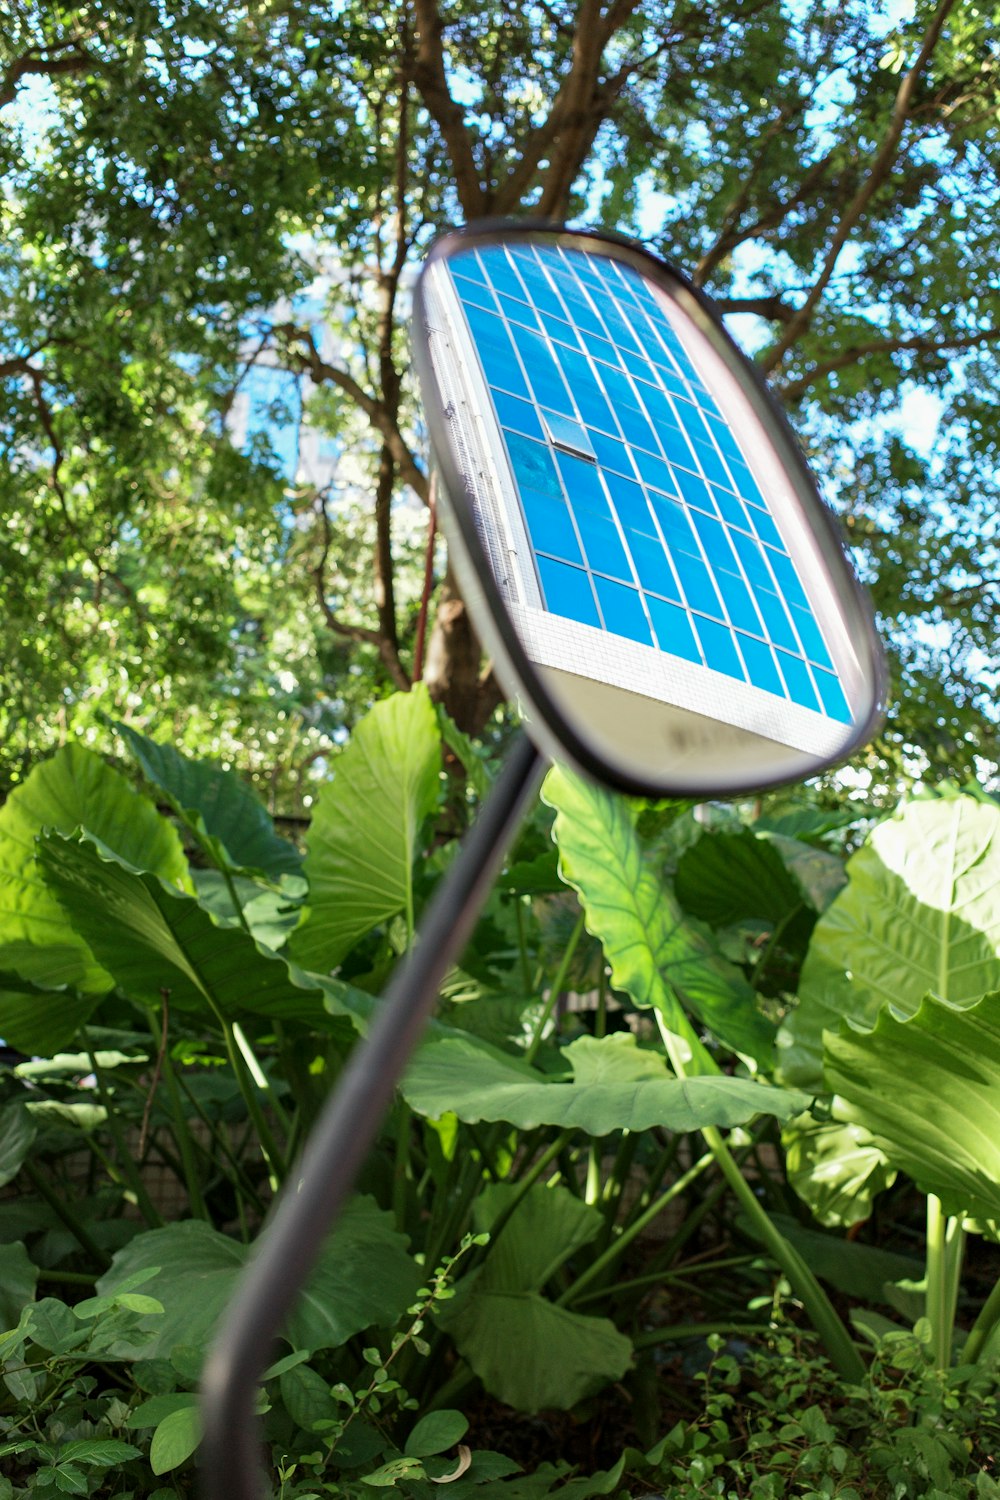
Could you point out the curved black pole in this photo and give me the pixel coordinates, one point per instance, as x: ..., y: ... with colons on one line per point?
x: 316, y: 1191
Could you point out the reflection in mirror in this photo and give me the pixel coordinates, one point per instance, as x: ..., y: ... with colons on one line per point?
x: 665, y: 592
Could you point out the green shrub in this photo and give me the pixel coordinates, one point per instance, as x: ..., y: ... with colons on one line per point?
x: 781, y: 1423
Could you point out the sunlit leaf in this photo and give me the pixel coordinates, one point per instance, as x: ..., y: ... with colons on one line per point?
x: 928, y: 1090
x: 921, y: 914
x: 217, y: 806
x: 657, y: 955
x: 613, y: 1086
x: 836, y: 1168
x: 154, y: 938
x: 175, y: 1439
x: 73, y: 789
x: 363, y: 839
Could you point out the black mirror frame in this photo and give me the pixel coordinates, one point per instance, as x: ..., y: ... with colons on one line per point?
x: 547, y: 725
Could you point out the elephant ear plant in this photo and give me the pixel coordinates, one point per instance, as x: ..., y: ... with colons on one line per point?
x: 902, y: 982
x: 203, y: 1028
x: 602, y: 601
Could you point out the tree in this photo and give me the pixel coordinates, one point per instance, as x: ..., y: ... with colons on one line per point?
x: 829, y: 179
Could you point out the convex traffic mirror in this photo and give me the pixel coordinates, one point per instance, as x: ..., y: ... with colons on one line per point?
x: 645, y: 554
x: 640, y: 541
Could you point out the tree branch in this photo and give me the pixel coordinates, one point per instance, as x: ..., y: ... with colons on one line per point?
x: 773, y: 307
x: 919, y: 344
x: 582, y: 105
x: 34, y: 61
x: 383, y: 580
x: 728, y: 236
x: 303, y: 354
x: 877, y: 173
x: 339, y: 627
x: 967, y: 591
x: 772, y: 219
x: 431, y: 79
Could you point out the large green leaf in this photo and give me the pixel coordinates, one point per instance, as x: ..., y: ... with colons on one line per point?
x: 821, y: 875
x: 920, y: 914
x: 657, y: 955
x: 38, y: 1021
x: 614, y: 1086
x: 836, y: 1168
x: 18, y: 1280
x: 269, y: 914
x: 727, y: 878
x: 532, y: 1354
x: 363, y: 839
x: 152, y: 938
x: 73, y: 789
x: 218, y: 807
x: 364, y: 1277
x: 526, y: 1350
x: 17, y: 1132
x: 928, y: 1090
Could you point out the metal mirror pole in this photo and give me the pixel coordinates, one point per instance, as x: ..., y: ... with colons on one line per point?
x: 333, y: 1156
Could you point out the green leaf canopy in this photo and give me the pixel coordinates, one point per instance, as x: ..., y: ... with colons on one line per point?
x: 363, y: 838
x: 614, y: 1086
x: 364, y: 1277
x: 920, y: 914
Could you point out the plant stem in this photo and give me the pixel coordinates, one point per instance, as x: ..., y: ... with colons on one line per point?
x: 621, y: 1244
x: 601, y: 1013
x: 522, y: 944
x: 240, y: 1181
x: 656, y: 1173
x: 989, y: 1317
x: 692, y: 1222
x: 260, y: 1078
x: 234, y: 898
x: 182, y: 1134
x: 524, y: 1185
x: 247, y: 1087
x: 693, y: 1331
x: 70, y: 1278
x: 401, y: 1163
x: 256, y: 1071
x: 555, y: 989
x: 839, y: 1345
x: 945, y: 1242
x: 665, y: 1278
x: 126, y: 1162
x: 65, y: 1215
x: 614, y: 1187
x: 467, y: 1187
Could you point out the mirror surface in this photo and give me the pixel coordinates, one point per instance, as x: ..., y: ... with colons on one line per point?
x: 640, y: 542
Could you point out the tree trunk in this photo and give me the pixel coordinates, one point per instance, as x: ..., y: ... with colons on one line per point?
x: 454, y: 670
